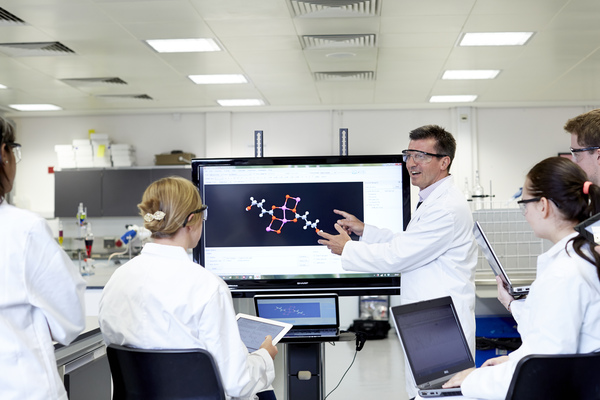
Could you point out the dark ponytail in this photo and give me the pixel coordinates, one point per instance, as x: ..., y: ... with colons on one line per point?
x: 562, y: 182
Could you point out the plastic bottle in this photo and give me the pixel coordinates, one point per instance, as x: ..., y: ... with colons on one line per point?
x: 80, y: 214
x: 60, y: 233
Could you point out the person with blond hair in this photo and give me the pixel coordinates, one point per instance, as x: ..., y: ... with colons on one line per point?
x: 41, y: 293
x: 161, y: 299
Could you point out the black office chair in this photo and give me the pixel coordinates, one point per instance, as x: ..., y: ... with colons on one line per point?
x: 140, y: 374
x: 556, y: 377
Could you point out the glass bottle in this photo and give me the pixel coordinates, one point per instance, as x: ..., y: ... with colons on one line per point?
x: 478, y: 192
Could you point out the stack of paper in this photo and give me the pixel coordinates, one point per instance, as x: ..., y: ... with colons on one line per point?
x: 65, y: 155
x: 84, y: 155
x: 100, y: 150
x: 123, y: 155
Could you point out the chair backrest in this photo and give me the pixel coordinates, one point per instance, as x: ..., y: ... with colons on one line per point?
x: 140, y: 374
x: 549, y: 377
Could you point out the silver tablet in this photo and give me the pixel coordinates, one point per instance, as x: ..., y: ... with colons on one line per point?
x: 253, y: 330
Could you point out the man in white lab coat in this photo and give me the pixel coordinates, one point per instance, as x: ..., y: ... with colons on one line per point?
x: 437, y: 253
x: 585, y: 142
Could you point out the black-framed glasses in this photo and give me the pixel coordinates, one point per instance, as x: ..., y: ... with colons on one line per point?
x: 575, y: 151
x: 16, y: 149
x: 200, y: 210
x: 420, y: 157
x: 523, y: 203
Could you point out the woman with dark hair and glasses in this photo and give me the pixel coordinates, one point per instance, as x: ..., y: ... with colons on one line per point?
x: 41, y: 293
x: 161, y: 299
x: 561, y: 314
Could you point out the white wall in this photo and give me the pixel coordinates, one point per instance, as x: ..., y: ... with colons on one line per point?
x: 512, y: 140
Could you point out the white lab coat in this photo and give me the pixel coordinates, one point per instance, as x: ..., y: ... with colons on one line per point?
x: 436, y: 255
x: 561, y: 315
x: 163, y: 300
x: 41, y: 300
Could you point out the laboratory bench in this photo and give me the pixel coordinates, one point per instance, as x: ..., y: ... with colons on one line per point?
x: 101, y: 273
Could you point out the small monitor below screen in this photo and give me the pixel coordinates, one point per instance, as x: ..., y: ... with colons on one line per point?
x: 263, y: 215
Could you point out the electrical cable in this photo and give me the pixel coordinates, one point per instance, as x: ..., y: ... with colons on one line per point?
x: 125, y: 248
x: 342, y: 378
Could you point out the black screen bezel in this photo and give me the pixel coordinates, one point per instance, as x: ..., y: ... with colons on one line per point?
x: 347, y: 286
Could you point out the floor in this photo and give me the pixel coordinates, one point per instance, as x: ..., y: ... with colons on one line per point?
x: 377, y: 373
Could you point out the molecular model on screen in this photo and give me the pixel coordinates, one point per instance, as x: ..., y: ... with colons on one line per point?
x: 284, y: 214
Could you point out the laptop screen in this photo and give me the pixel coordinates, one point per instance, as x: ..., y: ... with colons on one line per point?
x: 432, y: 339
x: 309, y: 311
x: 489, y: 254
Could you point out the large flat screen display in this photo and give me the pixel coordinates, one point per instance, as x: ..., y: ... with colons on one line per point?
x: 260, y: 233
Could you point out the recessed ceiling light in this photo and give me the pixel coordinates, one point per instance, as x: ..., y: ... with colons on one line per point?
x: 35, y: 107
x: 453, y: 98
x: 241, y: 102
x: 183, y: 45
x: 495, y: 38
x: 3, y: 87
x: 218, y: 79
x: 470, y: 74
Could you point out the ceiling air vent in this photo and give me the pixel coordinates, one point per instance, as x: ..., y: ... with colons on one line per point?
x: 35, y: 49
x: 87, y: 82
x: 315, y: 42
x: 7, y: 19
x: 350, y: 76
x: 125, y: 97
x: 335, y: 8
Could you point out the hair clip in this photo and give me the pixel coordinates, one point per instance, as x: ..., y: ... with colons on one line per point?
x: 158, y: 216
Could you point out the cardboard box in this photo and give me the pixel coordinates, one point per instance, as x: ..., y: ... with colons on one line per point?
x: 173, y: 159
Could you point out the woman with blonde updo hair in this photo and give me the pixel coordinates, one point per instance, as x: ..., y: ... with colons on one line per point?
x: 178, y: 199
x: 161, y: 299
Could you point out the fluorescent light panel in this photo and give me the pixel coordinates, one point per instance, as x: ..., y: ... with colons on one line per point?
x: 453, y: 98
x: 495, y: 38
x: 183, y: 45
x: 3, y: 87
x: 218, y: 79
x: 35, y: 107
x: 470, y: 74
x: 241, y: 102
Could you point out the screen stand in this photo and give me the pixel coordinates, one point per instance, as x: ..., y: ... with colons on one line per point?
x: 302, y: 361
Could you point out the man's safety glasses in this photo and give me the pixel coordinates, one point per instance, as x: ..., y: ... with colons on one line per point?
x: 420, y: 157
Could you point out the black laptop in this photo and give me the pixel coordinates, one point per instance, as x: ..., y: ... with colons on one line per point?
x: 434, y: 344
x: 315, y: 317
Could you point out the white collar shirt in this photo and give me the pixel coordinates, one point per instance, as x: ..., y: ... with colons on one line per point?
x: 161, y: 299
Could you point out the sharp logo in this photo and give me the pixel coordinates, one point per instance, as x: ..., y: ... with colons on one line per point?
x: 301, y: 283
x: 446, y: 372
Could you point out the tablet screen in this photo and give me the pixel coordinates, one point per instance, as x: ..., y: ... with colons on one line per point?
x: 253, y: 330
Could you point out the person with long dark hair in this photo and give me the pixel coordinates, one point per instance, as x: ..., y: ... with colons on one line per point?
x: 41, y: 293
x: 561, y: 314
